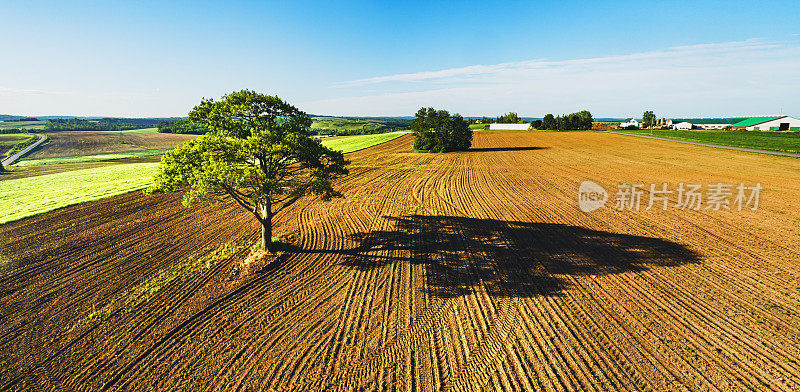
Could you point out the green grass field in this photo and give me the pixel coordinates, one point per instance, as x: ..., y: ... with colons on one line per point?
x: 31, y: 196
x: 35, y: 195
x: 92, y: 158
x: 773, y: 141
x: 347, y: 144
x: 477, y: 126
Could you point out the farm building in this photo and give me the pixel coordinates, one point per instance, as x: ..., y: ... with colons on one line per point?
x: 706, y: 123
x: 782, y: 123
x: 683, y: 126
x: 629, y: 123
x: 509, y: 127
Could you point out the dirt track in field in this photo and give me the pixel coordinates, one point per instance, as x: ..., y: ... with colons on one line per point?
x: 463, y: 271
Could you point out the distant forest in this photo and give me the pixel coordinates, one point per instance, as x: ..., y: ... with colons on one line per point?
x: 181, y: 126
x: 104, y: 124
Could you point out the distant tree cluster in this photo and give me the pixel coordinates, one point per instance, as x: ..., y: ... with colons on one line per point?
x: 182, y: 127
x: 438, y: 131
x: 74, y: 124
x: 574, y: 121
x: 21, y: 119
x: 510, y: 118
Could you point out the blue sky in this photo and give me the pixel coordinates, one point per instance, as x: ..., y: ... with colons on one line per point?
x: 615, y: 58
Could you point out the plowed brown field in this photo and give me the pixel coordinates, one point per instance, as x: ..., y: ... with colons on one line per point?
x: 462, y: 271
x: 70, y: 144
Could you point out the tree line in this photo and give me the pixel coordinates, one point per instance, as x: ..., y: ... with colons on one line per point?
x: 507, y: 118
x: 74, y: 124
x: 182, y: 127
x: 574, y: 121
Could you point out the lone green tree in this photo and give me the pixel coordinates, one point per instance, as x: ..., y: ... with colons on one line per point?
x: 648, y: 119
x: 438, y: 131
x: 259, y: 153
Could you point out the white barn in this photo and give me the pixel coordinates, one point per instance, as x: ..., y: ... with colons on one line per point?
x: 509, y: 127
x: 631, y: 122
x: 683, y: 126
x: 783, y: 123
x: 714, y: 125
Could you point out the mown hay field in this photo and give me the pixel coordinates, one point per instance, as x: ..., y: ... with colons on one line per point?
x: 460, y: 271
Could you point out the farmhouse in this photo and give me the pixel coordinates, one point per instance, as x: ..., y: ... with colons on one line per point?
x: 509, y: 127
x: 782, y: 123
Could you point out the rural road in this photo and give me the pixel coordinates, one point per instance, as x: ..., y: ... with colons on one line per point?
x: 756, y: 150
x: 19, y: 154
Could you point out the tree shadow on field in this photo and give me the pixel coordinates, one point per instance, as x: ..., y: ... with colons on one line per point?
x: 513, y: 259
x: 489, y: 149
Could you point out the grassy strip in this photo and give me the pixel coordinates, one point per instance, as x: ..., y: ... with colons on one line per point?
x: 92, y: 158
x: 31, y: 196
x: 35, y: 195
x: 347, y: 144
x: 773, y: 141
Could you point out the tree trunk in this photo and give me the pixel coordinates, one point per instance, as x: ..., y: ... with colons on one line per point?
x: 266, y: 228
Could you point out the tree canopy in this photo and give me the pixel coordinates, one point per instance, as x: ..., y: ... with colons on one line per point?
x: 259, y: 153
x: 438, y: 131
x: 648, y: 119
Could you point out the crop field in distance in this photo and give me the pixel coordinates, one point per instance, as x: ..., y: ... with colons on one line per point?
x: 437, y: 272
x: 82, y: 143
x: 355, y: 126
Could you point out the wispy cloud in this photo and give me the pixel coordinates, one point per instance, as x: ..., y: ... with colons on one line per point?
x: 674, y: 53
x: 741, y: 77
x: 27, y: 91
